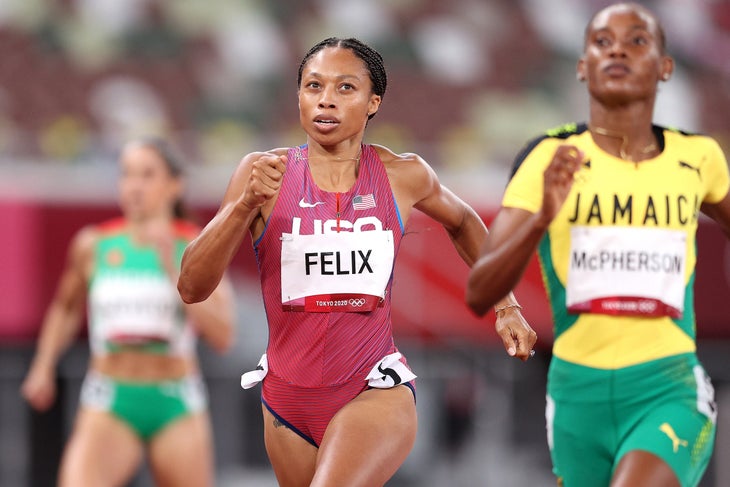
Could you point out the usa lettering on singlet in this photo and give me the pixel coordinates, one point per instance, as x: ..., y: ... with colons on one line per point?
x: 626, y: 271
x: 330, y: 270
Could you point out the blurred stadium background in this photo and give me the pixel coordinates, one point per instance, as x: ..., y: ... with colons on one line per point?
x: 469, y: 82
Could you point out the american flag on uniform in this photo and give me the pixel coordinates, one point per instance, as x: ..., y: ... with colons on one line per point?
x: 363, y: 201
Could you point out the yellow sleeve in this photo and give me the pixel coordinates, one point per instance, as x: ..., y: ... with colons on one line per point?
x: 524, y: 190
x: 715, y: 171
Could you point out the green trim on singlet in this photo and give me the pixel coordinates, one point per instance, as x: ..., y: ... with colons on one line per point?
x: 554, y: 289
x: 687, y: 323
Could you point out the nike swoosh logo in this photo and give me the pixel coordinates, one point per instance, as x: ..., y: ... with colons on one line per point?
x: 304, y: 204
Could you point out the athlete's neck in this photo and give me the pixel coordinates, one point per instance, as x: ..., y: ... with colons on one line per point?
x: 624, y: 131
x: 627, y: 147
x: 333, y: 155
x: 334, y: 172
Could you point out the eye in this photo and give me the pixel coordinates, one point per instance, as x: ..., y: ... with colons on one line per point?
x: 346, y: 87
x: 312, y: 85
x: 640, y: 40
x: 602, y: 41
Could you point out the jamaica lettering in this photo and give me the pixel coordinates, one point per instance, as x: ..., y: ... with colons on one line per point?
x: 626, y: 209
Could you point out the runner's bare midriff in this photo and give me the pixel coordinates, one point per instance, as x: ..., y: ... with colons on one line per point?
x: 140, y: 366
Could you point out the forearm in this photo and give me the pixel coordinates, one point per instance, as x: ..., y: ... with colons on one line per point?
x: 501, y: 267
x: 59, y: 330
x: 469, y: 236
x: 206, y: 258
x: 214, y: 318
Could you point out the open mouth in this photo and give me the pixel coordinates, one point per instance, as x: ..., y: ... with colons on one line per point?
x: 616, y: 69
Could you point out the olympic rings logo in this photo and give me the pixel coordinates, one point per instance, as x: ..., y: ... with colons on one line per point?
x: 356, y: 302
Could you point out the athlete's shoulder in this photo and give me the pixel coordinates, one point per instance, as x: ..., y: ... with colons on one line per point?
x: 388, y: 156
x: 409, y: 175
x: 683, y: 134
x: 693, y: 141
x: 677, y: 131
x: 565, y: 131
x: 406, y: 165
x: 85, y: 240
x: 556, y: 134
x: 106, y: 228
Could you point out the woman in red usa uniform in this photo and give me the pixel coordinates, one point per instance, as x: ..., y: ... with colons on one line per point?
x: 611, y: 207
x: 326, y: 219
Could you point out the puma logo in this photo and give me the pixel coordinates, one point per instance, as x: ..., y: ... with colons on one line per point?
x: 676, y: 440
x: 691, y: 168
x: 390, y: 373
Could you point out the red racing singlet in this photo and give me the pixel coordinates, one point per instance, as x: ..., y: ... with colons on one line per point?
x: 314, y: 344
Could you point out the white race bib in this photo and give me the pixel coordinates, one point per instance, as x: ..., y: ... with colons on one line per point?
x: 626, y: 271
x: 134, y: 308
x: 344, y: 271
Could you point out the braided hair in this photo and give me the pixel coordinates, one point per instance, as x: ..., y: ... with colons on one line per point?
x: 372, y: 59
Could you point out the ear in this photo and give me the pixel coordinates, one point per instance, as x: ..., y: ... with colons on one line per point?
x: 374, y: 104
x: 580, y: 70
x: 667, y: 68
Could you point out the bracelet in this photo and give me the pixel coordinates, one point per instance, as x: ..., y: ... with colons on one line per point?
x: 507, y: 306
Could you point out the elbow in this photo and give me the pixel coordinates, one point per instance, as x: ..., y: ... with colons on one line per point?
x: 188, y: 292
x: 480, y: 292
x: 476, y: 303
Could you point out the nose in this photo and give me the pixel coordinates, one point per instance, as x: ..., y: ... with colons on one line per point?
x: 326, y: 97
x: 617, y: 49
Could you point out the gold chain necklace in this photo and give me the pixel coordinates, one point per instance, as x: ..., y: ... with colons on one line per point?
x: 340, y: 159
x: 300, y: 157
x: 624, y: 142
